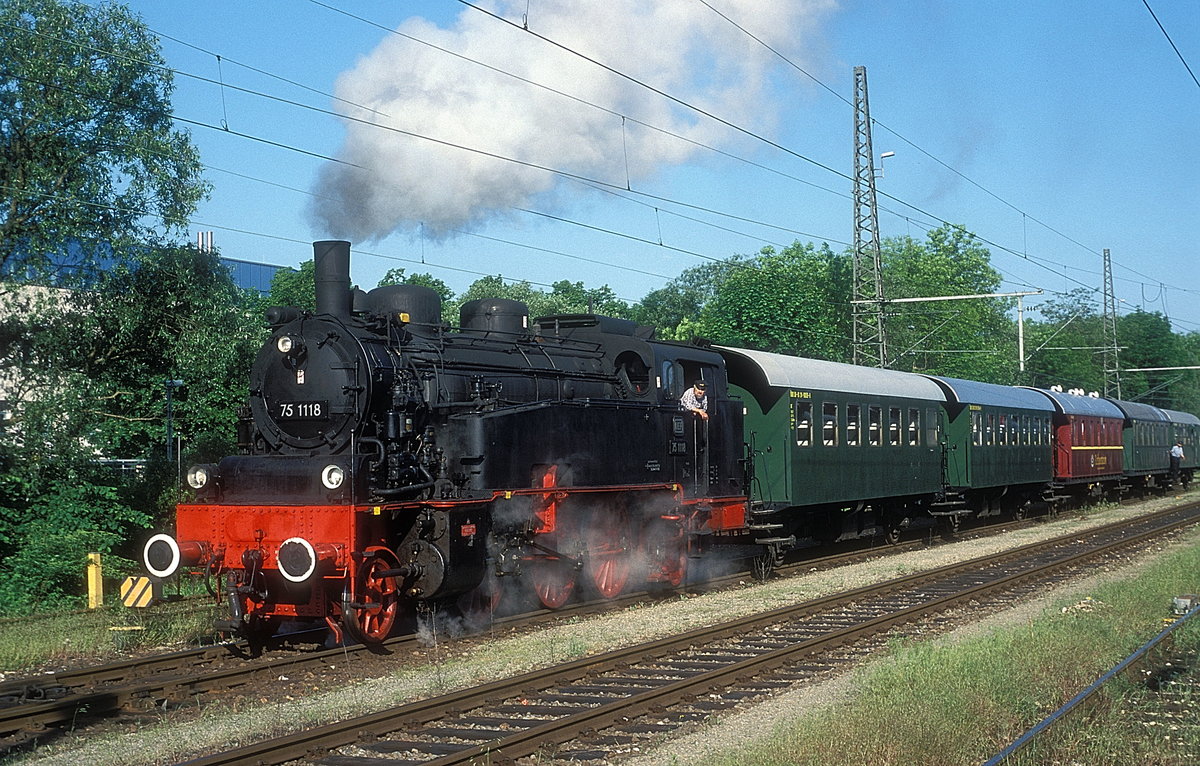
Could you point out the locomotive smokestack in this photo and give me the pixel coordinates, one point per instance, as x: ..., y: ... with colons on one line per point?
x: 331, y: 259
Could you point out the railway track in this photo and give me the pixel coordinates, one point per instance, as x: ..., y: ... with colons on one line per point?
x: 30, y: 707
x: 592, y: 708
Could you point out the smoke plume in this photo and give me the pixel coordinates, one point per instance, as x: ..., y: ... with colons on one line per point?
x: 395, y: 181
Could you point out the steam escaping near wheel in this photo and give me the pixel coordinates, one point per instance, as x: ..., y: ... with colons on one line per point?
x: 556, y: 110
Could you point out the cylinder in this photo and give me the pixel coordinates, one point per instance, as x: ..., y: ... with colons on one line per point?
x: 331, y: 261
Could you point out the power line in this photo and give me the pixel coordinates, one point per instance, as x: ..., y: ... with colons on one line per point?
x: 612, y: 187
x: 1174, y: 47
x: 960, y: 174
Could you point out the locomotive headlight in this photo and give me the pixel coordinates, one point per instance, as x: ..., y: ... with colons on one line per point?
x: 198, y: 476
x: 289, y: 344
x: 333, y: 476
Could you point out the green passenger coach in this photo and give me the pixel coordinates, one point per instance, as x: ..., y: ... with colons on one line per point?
x: 856, y: 446
x: 998, y: 445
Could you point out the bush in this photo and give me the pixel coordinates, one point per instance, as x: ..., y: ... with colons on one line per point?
x: 46, y: 566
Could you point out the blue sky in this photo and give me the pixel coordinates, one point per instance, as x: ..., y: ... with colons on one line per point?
x: 1076, y: 118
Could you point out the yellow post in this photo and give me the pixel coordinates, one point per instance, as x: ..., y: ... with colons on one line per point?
x: 95, y: 582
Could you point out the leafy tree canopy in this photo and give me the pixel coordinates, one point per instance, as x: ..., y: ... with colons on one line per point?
x: 972, y: 338
x: 792, y: 302
x: 565, y: 297
x: 398, y: 277
x: 88, y: 150
x: 90, y: 387
x: 294, y: 287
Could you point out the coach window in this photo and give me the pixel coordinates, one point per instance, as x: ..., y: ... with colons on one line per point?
x: 829, y: 424
x: 874, y: 425
x: 1014, y: 425
x: 977, y: 429
x: 894, y: 426
x: 803, y: 412
x: 853, y: 422
x: 990, y: 434
x: 914, y: 427
x: 933, y: 428
x: 1002, y: 434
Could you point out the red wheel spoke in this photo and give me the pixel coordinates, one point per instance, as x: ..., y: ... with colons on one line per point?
x: 553, y: 581
x: 609, y: 552
x: 371, y: 613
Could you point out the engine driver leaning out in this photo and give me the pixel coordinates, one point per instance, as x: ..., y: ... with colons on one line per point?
x: 696, y: 400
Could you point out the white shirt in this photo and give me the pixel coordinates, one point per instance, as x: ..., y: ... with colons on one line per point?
x: 689, y: 401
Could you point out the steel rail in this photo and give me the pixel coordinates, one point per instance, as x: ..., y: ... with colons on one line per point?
x: 528, y: 741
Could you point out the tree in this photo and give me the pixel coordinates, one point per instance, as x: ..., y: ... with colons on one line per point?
x: 791, y: 302
x: 966, y: 338
x: 565, y: 297
x: 1147, y: 340
x: 174, y: 313
x: 675, y: 309
x: 398, y: 277
x: 294, y: 287
x: 1065, y: 347
x: 91, y: 387
x: 88, y: 151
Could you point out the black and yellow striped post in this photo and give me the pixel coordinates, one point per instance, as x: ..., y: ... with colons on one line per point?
x: 140, y: 592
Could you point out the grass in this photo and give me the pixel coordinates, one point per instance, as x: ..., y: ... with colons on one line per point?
x: 37, y: 641
x: 950, y: 703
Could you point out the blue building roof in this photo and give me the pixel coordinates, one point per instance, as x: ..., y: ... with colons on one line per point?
x: 70, y: 267
x: 251, y: 276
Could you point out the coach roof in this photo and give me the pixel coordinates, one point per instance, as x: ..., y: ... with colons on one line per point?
x: 1073, y: 404
x: 1175, y: 416
x: 779, y: 371
x: 1139, y: 411
x: 973, y: 392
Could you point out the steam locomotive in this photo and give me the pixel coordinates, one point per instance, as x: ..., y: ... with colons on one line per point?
x: 387, y: 461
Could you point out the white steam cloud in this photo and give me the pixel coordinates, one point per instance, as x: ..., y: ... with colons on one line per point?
x: 398, y: 182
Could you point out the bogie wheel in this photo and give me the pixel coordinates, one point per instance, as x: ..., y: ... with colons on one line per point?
x: 554, y: 580
x: 892, y: 536
x: 609, y: 546
x: 369, y: 612
x: 951, y: 525
x: 664, y: 546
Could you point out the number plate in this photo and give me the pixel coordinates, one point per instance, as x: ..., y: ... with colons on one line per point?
x: 302, y: 411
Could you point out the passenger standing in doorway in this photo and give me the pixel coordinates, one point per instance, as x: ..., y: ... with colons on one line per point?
x: 1176, y: 459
